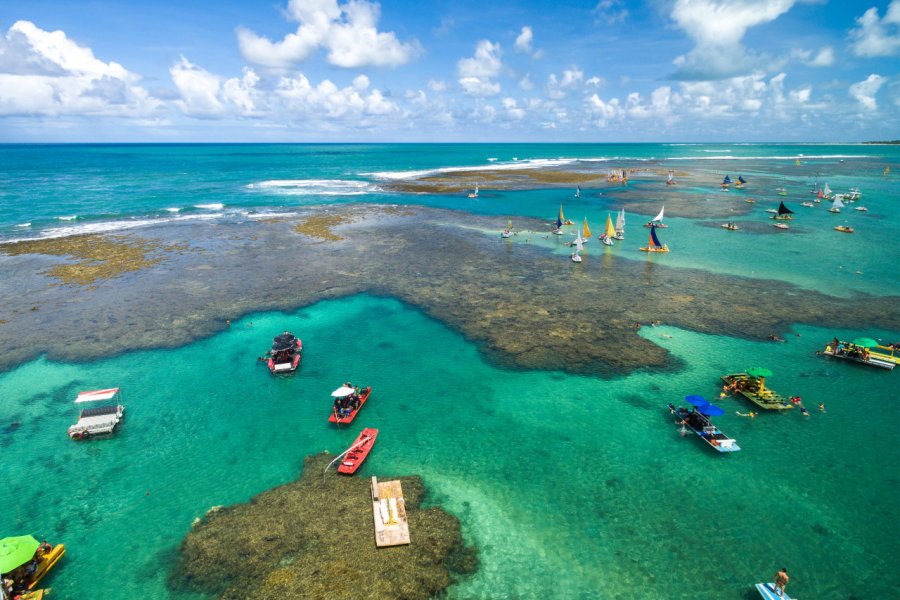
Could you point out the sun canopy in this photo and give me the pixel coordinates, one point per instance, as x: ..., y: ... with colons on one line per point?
x: 342, y: 391
x: 710, y: 410
x: 285, y: 341
x: 16, y: 551
x: 696, y: 400
x: 865, y: 342
x: 97, y: 395
x: 759, y: 372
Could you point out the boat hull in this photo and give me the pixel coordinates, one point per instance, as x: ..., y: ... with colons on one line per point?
x: 354, y: 459
x: 345, y: 419
x: 873, y: 361
x: 48, y: 561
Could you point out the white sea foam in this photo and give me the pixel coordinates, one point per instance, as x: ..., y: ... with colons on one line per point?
x: 173, y: 210
x: 516, y: 165
x: 211, y: 206
x: 492, y: 159
x: 315, y: 187
x: 24, y: 225
x: 110, y: 226
x: 68, y: 218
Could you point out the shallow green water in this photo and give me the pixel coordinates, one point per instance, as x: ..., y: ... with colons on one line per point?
x: 573, y: 484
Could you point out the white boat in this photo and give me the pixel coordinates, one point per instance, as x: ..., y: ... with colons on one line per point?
x: 657, y: 220
x: 781, y: 191
x: 837, y: 205
x: 578, y: 248
x: 772, y: 210
x: 827, y: 193
x: 620, y: 225
x: 475, y: 193
x: 578, y: 191
x: 99, y: 419
x: 671, y: 179
x: 782, y: 225
x: 861, y: 208
x: 808, y: 204
x: 853, y: 195
x: 508, y: 231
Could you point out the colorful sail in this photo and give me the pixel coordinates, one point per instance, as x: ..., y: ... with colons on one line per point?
x: 559, y: 223
x: 587, y: 232
x: 887, y: 171
x: 562, y: 218
x: 837, y: 202
x: 726, y: 181
x: 741, y: 180
x: 610, y: 230
x: 654, y: 241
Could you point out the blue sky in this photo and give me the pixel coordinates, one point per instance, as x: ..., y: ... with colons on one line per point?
x: 355, y: 70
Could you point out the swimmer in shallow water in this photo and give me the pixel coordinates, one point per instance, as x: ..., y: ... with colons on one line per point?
x: 750, y: 414
x: 822, y: 407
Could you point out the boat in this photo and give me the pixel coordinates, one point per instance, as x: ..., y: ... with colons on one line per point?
x: 740, y: 182
x: 784, y: 213
x: 826, y: 193
x: 26, y: 562
x: 609, y: 233
x: 887, y: 352
x: 781, y: 191
x: 284, y: 357
x: 559, y: 223
x: 357, y: 453
x: 562, y: 219
x: 753, y: 388
x: 578, y: 191
x: 586, y: 236
x: 575, y: 256
x: 726, y: 183
x: 844, y: 228
x: 767, y: 590
x: 653, y: 244
x: 99, y: 419
x: 853, y: 195
x: 348, y: 402
x: 861, y: 208
x: 808, y: 204
x: 774, y: 211
x: 855, y: 353
x: 657, y: 220
x: 730, y: 226
x: 671, y: 179
x: 697, y: 420
x: 508, y: 231
x: 749, y: 200
x: 836, y: 206
x: 474, y: 194
x: 782, y: 225
x: 620, y: 225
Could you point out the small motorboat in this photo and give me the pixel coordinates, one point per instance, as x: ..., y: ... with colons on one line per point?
x: 808, y: 204
x: 27, y: 562
x: 348, y: 402
x: 782, y: 225
x: 284, y: 357
x: 606, y: 239
x: 730, y: 226
x: 861, y: 208
x: 575, y: 258
x: 697, y: 420
x: 99, y: 419
x: 844, y: 228
x: 750, y: 200
x: 357, y: 453
x: 772, y: 210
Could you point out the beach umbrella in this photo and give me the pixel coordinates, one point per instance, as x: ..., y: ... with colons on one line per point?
x: 865, y: 342
x: 759, y: 372
x: 696, y: 400
x: 342, y: 391
x: 16, y: 551
x: 710, y: 410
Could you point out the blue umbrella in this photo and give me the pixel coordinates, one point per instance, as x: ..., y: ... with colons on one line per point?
x: 696, y: 400
x: 710, y: 410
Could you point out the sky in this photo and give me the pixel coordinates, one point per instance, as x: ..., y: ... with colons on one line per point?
x: 449, y: 71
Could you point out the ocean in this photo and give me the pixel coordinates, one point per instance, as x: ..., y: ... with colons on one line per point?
x: 570, y: 486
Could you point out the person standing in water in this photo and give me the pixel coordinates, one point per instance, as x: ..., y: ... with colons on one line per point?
x: 781, y: 581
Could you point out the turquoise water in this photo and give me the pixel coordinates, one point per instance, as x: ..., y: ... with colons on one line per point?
x: 574, y: 484
x: 584, y: 484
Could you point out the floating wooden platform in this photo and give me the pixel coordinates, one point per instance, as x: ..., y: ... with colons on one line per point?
x: 749, y: 389
x: 389, y: 513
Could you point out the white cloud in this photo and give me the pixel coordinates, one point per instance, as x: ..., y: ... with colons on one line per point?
x: 864, y: 91
x: 349, y: 33
x: 513, y: 109
x: 610, y: 11
x: 603, y: 112
x: 595, y: 81
x: 572, y: 77
x: 877, y: 37
x: 717, y: 28
x: 523, y: 41
x: 475, y: 73
x: 824, y: 58
x: 436, y: 86
x: 525, y: 83
x: 46, y: 73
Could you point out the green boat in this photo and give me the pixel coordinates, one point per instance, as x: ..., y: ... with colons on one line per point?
x: 752, y: 386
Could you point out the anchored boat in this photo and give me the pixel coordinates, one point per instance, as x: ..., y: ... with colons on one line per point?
x: 357, y: 453
x: 697, y: 420
x: 730, y: 226
x: 859, y: 351
x: 99, y: 419
x: 620, y: 225
x: 26, y: 561
x: 284, y: 357
x: 653, y: 244
x: 783, y: 213
x: 609, y: 234
x: 575, y: 256
x: 752, y: 386
x: 348, y: 402
x: 657, y: 220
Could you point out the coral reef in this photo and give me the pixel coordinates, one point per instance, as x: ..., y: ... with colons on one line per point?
x: 314, y: 538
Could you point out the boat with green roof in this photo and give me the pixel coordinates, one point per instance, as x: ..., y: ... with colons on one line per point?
x: 751, y: 384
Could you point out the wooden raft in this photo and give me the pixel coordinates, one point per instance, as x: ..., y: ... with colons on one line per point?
x: 389, y: 513
x: 750, y: 390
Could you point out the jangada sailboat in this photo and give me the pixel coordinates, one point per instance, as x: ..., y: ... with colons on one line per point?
x: 657, y: 220
x: 837, y: 205
x: 784, y: 213
x: 610, y: 233
x: 586, y: 236
x: 741, y: 181
x: 559, y: 224
x: 475, y: 193
x: 578, y: 248
x: 578, y: 191
x: 620, y: 225
x: 726, y: 183
x: 508, y: 231
x: 562, y: 217
x: 653, y: 244
x: 671, y: 179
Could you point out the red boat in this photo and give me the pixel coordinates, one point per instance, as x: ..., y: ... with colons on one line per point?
x: 284, y: 357
x: 355, y: 403
x: 359, y: 451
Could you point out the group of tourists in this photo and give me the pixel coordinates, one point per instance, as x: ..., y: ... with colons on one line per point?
x: 346, y: 405
x: 17, y: 581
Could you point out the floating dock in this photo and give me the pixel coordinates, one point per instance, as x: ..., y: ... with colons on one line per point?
x: 389, y: 513
x: 749, y: 388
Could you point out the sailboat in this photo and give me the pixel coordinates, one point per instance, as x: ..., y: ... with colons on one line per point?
x: 620, y: 225
x: 587, y: 232
x: 827, y: 194
x: 784, y: 213
x: 653, y: 244
x: 726, y: 183
x: 475, y: 193
x: 559, y: 224
x: 887, y: 171
x: 781, y: 191
x: 508, y: 231
x: 671, y: 179
x: 610, y: 233
x: 578, y: 248
x: 562, y: 217
x: 578, y: 191
x: 741, y: 181
x: 853, y: 195
x: 657, y: 220
x: 837, y: 205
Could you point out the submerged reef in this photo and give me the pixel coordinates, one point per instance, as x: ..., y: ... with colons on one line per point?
x: 512, y: 298
x: 314, y: 538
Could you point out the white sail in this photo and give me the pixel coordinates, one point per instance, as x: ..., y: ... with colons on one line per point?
x: 837, y: 202
x: 658, y: 218
x: 671, y: 177
x: 826, y: 190
x: 579, y: 244
x: 620, y: 222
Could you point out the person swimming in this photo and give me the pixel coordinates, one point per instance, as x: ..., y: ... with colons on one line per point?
x: 750, y: 414
x: 822, y: 407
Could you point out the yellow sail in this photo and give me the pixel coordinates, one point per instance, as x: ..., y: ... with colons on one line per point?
x: 561, y: 217
x: 887, y: 170
x: 587, y: 232
x: 610, y: 230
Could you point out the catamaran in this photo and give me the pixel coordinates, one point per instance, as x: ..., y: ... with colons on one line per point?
x: 610, y: 233
x: 620, y: 225
x: 587, y: 232
x: 475, y: 193
x: 837, y: 205
x: 578, y: 248
x: 853, y: 195
x: 653, y: 245
x: 657, y: 220
x: 784, y: 213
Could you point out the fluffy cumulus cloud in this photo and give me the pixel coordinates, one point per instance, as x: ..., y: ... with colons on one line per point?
x: 524, y: 39
x: 46, y: 73
x: 348, y: 32
x: 610, y: 12
x: 717, y: 28
x: 864, y: 91
x: 476, y: 73
x: 876, y: 36
x: 823, y: 58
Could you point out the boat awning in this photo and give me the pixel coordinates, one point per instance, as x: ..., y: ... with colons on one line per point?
x: 97, y: 395
x: 342, y: 391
